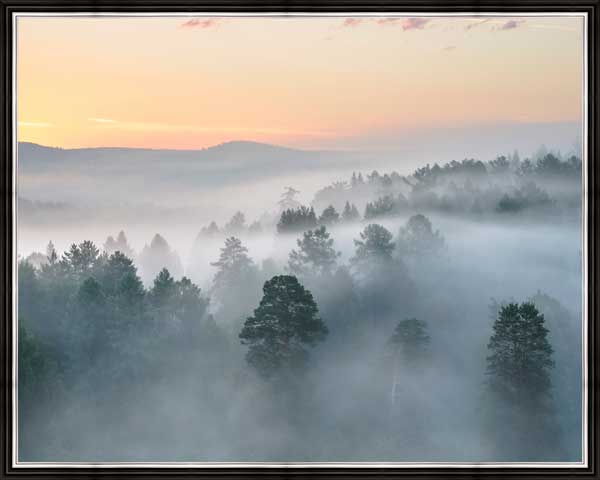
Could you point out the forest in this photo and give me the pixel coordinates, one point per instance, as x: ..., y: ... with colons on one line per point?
x: 429, y: 317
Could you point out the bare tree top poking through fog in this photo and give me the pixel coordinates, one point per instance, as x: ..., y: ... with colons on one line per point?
x: 284, y: 324
x: 288, y: 199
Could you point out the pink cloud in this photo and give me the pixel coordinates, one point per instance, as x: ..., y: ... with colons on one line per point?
x: 415, y: 23
x: 200, y: 23
x: 352, y: 22
x: 449, y: 48
x: 387, y: 21
x: 405, y: 23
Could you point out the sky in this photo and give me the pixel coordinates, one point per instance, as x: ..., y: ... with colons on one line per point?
x: 304, y: 82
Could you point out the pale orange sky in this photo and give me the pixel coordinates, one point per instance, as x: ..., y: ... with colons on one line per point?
x: 193, y: 82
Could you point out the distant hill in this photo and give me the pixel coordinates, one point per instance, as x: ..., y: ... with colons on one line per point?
x: 134, y: 175
x: 240, y: 155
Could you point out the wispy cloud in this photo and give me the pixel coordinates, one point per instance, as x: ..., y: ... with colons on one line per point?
x: 352, y: 22
x: 511, y: 24
x: 388, y: 21
x: 200, y: 23
x: 102, y: 120
x: 470, y: 26
x: 449, y: 48
x: 415, y: 23
x: 496, y: 24
x: 34, y: 124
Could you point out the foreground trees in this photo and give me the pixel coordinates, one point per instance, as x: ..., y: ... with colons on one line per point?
x: 518, y: 370
x: 285, y: 323
x: 521, y: 356
x: 106, y: 340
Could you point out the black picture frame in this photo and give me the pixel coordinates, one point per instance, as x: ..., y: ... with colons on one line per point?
x: 7, y: 204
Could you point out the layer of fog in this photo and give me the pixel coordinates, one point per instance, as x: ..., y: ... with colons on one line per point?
x: 347, y: 394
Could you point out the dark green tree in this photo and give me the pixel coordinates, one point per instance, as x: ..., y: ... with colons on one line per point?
x: 190, y: 305
x: 285, y: 323
x: 499, y: 165
x: 522, y: 414
x: 297, y: 220
x: 164, y: 289
x: 81, y: 260
x: 520, y: 360
x: 114, y: 269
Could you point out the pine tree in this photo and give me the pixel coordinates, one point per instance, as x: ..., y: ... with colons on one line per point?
x: 210, y: 230
x: 285, y: 323
x: 51, y: 254
x: 410, y: 339
x: 157, y: 256
x: 375, y: 245
x: 521, y: 413
x: 163, y: 290
x: 329, y: 216
x: 236, y: 285
x: 417, y: 238
x: 315, y: 254
x: 350, y: 213
x: 288, y: 199
x: 81, y: 260
x: 521, y: 356
x: 232, y: 263
x: 297, y: 220
x: 236, y: 225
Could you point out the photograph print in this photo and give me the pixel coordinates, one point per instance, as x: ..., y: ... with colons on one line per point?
x: 317, y: 239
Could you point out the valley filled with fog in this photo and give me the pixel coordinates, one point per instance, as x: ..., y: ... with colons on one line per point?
x: 141, y: 275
